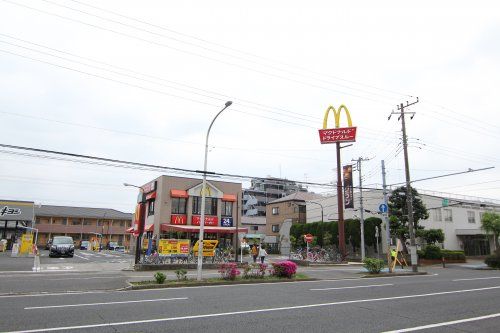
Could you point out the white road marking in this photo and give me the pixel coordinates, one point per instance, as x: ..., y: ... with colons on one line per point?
x: 454, y: 322
x: 76, y: 255
x: 354, y: 287
x: 55, y: 294
x: 87, y: 278
x: 267, y: 310
x: 485, y: 278
x: 106, y: 303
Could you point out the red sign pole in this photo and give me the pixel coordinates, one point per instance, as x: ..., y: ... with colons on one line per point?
x: 340, y: 204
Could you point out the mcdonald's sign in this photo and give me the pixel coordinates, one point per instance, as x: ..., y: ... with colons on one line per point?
x: 178, y: 219
x: 337, y: 134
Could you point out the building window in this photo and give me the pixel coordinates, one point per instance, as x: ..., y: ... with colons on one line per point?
x: 276, y: 210
x: 437, y: 215
x: 448, y: 217
x: 481, y: 216
x: 275, y: 228
x: 471, y: 216
x: 179, y: 205
x: 151, y: 208
x: 210, y: 206
x: 255, y: 227
x: 227, y: 208
x: 122, y: 223
x: 75, y: 222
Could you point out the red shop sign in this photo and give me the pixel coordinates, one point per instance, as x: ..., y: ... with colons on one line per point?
x: 209, y: 220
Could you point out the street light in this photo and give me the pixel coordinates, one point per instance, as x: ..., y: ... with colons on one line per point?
x: 138, y: 243
x: 203, y: 196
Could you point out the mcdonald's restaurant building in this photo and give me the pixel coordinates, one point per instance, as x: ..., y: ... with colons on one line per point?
x: 173, y: 209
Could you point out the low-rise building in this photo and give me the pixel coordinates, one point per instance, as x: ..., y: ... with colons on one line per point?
x: 173, y: 209
x: 82, y: 223
x: 290, y: 208
x: 458, y: 216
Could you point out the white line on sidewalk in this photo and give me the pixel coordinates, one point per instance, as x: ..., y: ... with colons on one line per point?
x: 222, y: 314
x: 485, y: 278
x: 106, y: 303
x: 454, y: 322
x: 354, y: 287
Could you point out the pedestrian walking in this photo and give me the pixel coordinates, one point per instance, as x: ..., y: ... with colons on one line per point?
x: 255, y: 253
x: 262, y: 254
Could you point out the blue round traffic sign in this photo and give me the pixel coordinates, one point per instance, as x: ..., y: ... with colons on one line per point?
x: 382, y: 208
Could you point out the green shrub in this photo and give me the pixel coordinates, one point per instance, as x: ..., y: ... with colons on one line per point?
x: 432, y: 252
x: 160, y: 277
x: 181, y: 274
x: 493, y: 260
x: 373, y: 265
x: 453, y: 255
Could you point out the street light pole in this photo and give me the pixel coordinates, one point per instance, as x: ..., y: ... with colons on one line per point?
x: 203, y: 197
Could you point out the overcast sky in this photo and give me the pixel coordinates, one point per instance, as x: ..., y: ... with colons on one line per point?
x: 141, y: 81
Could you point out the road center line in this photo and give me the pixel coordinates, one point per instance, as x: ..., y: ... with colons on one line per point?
x: 485, y: 278
x: 106, y: 303
x: 354, y: 287
x: 146, y: 321
x: 454, y: 322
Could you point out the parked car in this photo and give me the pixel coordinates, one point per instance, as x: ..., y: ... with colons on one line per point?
x: 62, y: 246
x: 85, y: 245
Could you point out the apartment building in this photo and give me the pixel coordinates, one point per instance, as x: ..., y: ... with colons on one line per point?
x: 264, y: 190
x: 82, y: 223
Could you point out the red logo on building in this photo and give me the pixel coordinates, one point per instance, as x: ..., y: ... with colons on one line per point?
x: 178, y: 219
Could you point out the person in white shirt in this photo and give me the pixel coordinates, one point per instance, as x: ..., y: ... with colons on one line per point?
x: 262, y: 254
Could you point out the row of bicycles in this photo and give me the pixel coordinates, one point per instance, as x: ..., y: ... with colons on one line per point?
x: 318, y: 254
x: 221, y: 255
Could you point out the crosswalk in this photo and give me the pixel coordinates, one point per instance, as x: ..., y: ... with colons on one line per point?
x: 103, y: 256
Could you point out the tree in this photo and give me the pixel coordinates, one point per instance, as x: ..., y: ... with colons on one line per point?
x: 398, y: 213
x: 491, y: 224
x: 431, y: 236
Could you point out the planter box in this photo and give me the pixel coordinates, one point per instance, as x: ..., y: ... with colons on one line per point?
x: 423, y: 262
x: 170, y: 267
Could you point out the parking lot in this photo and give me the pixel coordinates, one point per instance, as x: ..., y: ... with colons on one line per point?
x: 82, y: 260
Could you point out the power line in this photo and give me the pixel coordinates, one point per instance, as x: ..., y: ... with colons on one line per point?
x: 193, y: 53
x: 236, y: 50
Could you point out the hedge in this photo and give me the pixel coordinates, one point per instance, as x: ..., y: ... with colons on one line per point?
x: 435, y: 252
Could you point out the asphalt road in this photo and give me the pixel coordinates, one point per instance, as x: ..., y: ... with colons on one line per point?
x: 451, y: 299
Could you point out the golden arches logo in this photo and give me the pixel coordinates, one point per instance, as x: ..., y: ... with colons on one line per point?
x: 336, y: 114
x: 207, y: 190
x: 178, y: 219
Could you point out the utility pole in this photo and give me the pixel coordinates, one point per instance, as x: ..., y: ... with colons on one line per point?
x: 409, y: 201
x: 386, y: 219
x: 361, y: 209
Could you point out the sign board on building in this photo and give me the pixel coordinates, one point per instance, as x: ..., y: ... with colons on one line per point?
x: 226, y: 222
x: 149, y: 187
x: 16, y: 210
x: 209, y: 220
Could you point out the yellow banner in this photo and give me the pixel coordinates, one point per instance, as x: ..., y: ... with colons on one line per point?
x: 173, y: 246
x: 209, y: 246
x: 26, y: 244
